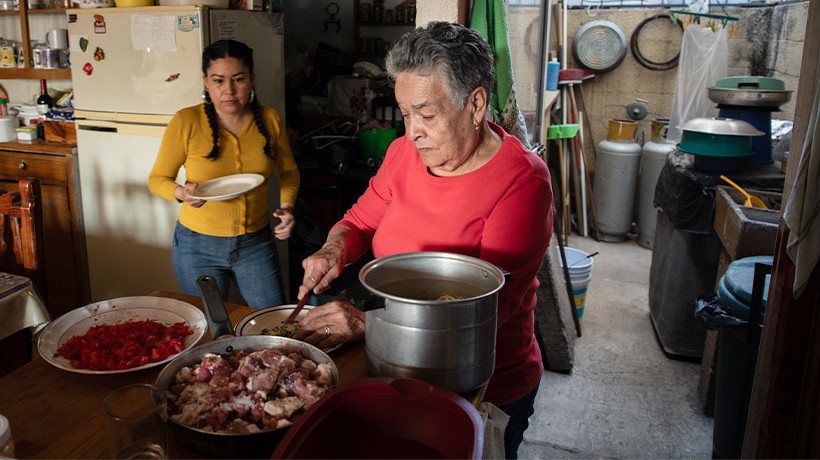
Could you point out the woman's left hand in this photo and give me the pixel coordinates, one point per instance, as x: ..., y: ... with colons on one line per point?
x: 331, y: 324
x: 284, y: 228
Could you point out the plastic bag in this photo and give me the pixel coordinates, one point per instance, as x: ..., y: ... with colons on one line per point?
x: 709, y: 310
x: 704, y: 55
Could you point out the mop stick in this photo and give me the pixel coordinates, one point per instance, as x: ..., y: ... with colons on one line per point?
x: 574, y: 161
x: 582, y: 169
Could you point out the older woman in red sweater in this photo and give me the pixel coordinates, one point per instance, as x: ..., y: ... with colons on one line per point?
x: 454, y: 182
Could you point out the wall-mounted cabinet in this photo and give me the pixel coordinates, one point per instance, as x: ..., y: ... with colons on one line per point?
x: 26, y: 17
x: 379, y: 23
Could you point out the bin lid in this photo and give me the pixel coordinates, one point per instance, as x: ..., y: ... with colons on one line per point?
x: 735, y: 286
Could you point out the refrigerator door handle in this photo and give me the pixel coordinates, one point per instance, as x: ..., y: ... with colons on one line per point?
x: 125, y: 128
x: 105, y: 129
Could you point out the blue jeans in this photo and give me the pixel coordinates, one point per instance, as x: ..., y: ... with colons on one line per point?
x: 519, y: 412
x: 251, y: 260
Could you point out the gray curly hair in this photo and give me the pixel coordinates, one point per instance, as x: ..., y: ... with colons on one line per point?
x: 459, y: 55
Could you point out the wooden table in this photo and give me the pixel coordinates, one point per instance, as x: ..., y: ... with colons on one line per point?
x: 58, y: 414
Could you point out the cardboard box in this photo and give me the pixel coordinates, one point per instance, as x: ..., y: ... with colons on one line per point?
x: 746, y: 231
x: 60, y: 131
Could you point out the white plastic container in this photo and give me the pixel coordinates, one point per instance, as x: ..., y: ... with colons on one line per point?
x: 6, y: 441
x: 93, y: 3
x: 7, y: 129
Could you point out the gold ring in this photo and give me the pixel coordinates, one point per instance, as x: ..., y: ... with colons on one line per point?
x: 312, y: 279
x: 327, y: 331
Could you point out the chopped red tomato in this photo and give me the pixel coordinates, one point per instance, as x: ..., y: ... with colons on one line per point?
x: 110, y: 347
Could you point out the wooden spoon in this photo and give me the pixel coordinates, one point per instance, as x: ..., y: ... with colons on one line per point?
x: 751, y: 200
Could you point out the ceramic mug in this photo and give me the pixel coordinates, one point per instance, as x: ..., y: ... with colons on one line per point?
x: 8, y: 58
x: 46, y: 58
x: 57, y: 39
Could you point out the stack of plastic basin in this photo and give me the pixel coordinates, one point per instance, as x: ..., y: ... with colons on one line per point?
x: 579, y: 264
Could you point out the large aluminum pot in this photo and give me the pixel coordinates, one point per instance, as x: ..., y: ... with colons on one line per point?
x: 411, y: 333
x: 237, y: 445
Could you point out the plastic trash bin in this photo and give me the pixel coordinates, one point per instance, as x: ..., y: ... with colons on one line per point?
x: 741, y: 295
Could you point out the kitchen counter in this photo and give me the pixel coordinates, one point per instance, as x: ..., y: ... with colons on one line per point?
x: 39, y: 146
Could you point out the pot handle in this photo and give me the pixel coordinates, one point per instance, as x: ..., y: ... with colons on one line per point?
x: 215, y: 311
x: 358, y: 296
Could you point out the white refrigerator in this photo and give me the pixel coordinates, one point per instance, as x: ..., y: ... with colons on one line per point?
x: 131, y: 69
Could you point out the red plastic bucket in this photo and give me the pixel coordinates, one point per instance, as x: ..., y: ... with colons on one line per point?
x: 386, y: 418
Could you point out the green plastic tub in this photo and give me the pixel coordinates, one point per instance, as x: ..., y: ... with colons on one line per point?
x: 562, y: 131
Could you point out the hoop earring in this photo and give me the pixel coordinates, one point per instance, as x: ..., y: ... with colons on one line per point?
x: 253, y: 95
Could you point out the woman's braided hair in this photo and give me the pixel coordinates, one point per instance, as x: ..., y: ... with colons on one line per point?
x: 223, y: 49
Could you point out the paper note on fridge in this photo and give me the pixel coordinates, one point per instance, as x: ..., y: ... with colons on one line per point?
x: 153, y: 33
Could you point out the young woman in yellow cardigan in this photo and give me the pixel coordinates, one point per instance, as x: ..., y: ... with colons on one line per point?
x: 229, y: 133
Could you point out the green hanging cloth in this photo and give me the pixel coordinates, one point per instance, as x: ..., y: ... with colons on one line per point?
x: 489, y: 18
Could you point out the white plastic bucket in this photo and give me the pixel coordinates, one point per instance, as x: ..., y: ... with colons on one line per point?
x: 580, y: 274
x: 7, y: 129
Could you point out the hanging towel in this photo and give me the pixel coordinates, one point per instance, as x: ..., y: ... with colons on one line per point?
x: 495, y: 422
x: 802, y: 213
x: 489, y: 18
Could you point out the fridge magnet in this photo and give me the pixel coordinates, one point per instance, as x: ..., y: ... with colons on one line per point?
x: 187, y: 22
x: 172, y: 77
x: 99, y: 24
x: 88, y: 68
x: 99, y: 54
x: 72, y: 18
x: 83, y: 44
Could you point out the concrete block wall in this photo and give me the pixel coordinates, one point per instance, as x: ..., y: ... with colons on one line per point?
x: 770, y: 43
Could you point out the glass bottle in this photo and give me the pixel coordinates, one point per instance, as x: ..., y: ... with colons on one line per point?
x: 44, y: 101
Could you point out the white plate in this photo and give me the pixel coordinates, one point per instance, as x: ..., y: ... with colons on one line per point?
x: 255, y: 323
x: 77, y: 322
x: 227, y: 187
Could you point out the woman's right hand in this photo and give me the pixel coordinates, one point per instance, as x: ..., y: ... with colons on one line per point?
x: 183, y: 195
x: 321, y: 268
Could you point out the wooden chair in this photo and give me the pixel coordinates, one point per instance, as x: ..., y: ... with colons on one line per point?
x: 21, y: 225
x: 21, y: 253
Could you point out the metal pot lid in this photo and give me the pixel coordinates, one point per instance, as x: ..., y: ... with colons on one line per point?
x: 749, y: 98
x: 599, y: 45
x: 721, y: 126
x: 751, y: 83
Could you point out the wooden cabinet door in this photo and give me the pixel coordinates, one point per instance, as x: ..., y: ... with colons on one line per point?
x: 66, y: 270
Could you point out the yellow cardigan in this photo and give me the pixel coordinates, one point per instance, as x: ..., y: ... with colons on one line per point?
x: 186, y: 143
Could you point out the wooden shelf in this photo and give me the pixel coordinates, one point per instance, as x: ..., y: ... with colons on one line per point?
x: 34, y: 74
x: 30, y: 73
x: 30, y: 12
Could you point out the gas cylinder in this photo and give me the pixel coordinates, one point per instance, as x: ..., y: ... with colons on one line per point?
x: 616, y: 179
x: 653, y: 157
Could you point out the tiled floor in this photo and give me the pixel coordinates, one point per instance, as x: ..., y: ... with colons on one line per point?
x: 624, y: 398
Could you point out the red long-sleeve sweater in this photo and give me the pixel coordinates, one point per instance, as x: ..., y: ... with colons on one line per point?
x: 500, y: 213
